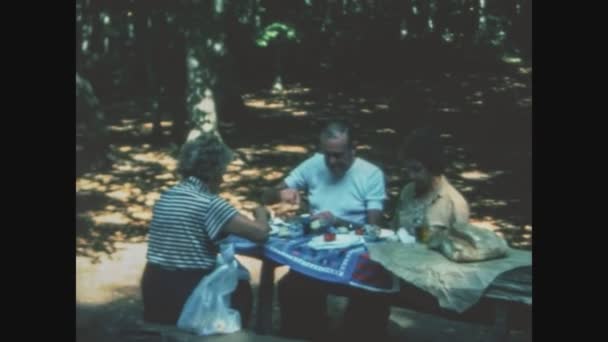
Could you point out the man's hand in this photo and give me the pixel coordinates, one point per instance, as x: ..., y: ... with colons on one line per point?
x: 326, y: 216
x: 291, y: 196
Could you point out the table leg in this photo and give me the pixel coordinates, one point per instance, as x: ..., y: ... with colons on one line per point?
x: 500, y: 331
x: 265, y: 297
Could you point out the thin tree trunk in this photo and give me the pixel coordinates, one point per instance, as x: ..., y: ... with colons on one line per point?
x: 201, y: 73
x: 89, y: 112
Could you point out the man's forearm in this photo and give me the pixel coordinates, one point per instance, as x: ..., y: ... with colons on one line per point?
x: 273, y: 195
x: 374, y: 217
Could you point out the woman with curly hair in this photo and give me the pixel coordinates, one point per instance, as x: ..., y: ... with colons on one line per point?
x: 188, y: 222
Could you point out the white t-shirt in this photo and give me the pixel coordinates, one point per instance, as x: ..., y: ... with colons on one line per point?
x: 362, y: 188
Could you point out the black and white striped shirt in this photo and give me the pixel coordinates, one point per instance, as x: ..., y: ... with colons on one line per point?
x: 186, y: 225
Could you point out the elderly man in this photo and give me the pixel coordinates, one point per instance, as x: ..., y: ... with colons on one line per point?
x: 340, y: 186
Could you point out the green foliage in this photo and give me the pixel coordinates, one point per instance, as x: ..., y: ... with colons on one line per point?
x: 276, y: 33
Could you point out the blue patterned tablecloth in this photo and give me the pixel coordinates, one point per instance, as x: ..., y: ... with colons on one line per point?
x: 351, y: 265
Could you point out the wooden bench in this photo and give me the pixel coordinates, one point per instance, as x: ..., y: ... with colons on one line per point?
x: 169, y: 333
x: 506, y: 304
x: 510, y: 293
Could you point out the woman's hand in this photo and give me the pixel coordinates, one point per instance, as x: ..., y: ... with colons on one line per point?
x: 261, y: 214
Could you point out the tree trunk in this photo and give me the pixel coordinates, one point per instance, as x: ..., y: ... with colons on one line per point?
x: 410, y: 18
x: 477, y: 21
x: 143, y: 37
x: 201, y: 45
x: 522, y: 29
x: 441, y: 18
x: 94, y: 138
x: 167, y: 58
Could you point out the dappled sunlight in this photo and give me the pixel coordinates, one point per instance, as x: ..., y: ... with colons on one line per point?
x: 110, y: 278
x: 273, y: 175
x: 232, y: 198
x: 466, y: 189
x: 458, y: 165
x: 163, y: 124
x: 250, y: 151
x: 120, y: 195
x: 120, y: 129
x: 524, y: 71
x: 386, y: 130
x: 518, y: 85
x: 296, y: 91
x: 112, y: 205
x: 119, y: 201
x: 165, y: 176
x: 268, y: 150
x: 449, y: 109
x: 155, y: 157
x: 300, y: 113
x: 262, y: 104
x: 250, y: 173
x: 139, y: 212
x: 87, y: 185
x: 291, y: 149
x: 394, y: 192
x: 268, y: 174
x: 151, y: 197
x: 487, y: 223
x: 493, y: 203
x: 478, y: 175
x: 525, y: 102
x: 128, y: 166
x: 363, y: 148
x: 229, y: 178
x: 522, y: 244
x: 395, y: 176
x: 110, y: 218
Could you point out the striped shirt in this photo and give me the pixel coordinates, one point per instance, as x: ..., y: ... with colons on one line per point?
x: 186, y: 226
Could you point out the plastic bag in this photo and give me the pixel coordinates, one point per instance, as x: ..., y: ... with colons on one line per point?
x: 207, y: 311
x: 468, y: 243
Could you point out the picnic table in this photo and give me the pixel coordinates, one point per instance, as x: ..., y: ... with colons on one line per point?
x: 363, y: 266
x: 349, y: 266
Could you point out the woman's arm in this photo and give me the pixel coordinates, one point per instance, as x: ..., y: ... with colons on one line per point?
x: 255, y: 230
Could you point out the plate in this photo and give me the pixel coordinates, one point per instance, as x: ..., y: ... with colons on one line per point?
x: 341, y: 241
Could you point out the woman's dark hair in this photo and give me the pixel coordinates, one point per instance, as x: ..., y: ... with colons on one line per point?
x: 424, y: 146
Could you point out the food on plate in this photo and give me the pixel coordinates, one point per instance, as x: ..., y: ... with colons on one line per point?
x: 329, y: 237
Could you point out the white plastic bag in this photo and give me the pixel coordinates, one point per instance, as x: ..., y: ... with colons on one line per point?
x: 207, y: 311
x: 468, y: 243
x: 405, y: 237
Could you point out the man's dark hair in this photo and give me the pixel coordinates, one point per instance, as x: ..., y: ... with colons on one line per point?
x: 335, y: 129
x: 424, y: 145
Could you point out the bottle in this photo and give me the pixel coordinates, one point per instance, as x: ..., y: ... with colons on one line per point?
x: 423, y: 233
